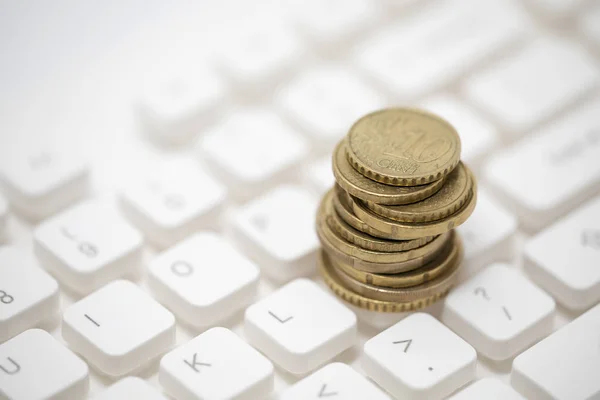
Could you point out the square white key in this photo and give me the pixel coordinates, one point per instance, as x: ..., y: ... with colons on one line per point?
x: 277, y: 231
x: 563, y: 259
x: 477, y: 135
x: 319, y: 175
x: 28, y: 295
x: 499, y: 312
x: 216, y: 365
x: 40, y: 180
x: 563, y: 366
x: 488, y: 235
x: 251, y: 150
x: 300, y: 326
x: 258, y: 49
x: 521, y: 90
x: 175, y: 106
x: 419, y: 358
x: 118, y: 328
x: 325, y: 101
x: 439, y: 42
x: 567, y: 151
x: 130, y: 388
x: 331, y: 21
x: 87, y: 246
x: 335, y: 380
x: 173, y: 201
x: 204, y: 279
x: 35, y: 366
x: 489, y: 389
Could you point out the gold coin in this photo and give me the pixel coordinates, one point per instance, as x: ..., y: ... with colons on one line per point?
x: 366, y: 189
x: 446, y: 201
x: 367, y: 241
x: 343, y: 207
x: 331, y: 279
x: 405, y: 279
x: 442, y: 283
x: 403, y: 147
x: 373, y: 261
x: 411, y: 230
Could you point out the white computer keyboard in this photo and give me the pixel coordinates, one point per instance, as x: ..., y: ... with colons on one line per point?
x: 161, y: 168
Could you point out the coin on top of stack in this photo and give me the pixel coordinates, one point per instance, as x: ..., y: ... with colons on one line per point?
x: 387, y: 227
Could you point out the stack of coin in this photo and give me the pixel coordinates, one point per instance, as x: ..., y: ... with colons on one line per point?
x: 387, y: 226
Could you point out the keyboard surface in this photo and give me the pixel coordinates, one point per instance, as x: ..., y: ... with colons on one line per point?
x: 145, y: 148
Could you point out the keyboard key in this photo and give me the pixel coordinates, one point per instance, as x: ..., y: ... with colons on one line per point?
x: 499, y: 312
x: 330, y: 21
x: 338, y: 381
x: 174, y: 107
x: 216, y: 365
x: 477, y: 135
x: 28, y: 295
x: 439, y: 42
x: 203, y: 279
x: 565, y: 365
x: 259, y: 50
x: 35, y: 366
x: 277, y: 231
x: 564, y: 258
x: 118, y: 328
x: 252, y: 150
x: 39, y: 181
x: 300, y: 326
x: 130, y: 388
x: 326, y: 100
x: 526, y: 174
x: 173, y: 201
x: 3, y: 216
x: 319, y: 175
x: 521, y: 90
x: 589, y: 24
x: 87, y: 246
x: 488, y: 235
x: 419, y: 358
x: 489, y: 389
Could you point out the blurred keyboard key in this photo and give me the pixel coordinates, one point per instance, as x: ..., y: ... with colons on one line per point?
x: 522, y: 90
x: 173, y: 201
x: 216, y: 365
x: 563, y: 259
x: 203, y: 279
x: 499, y: 312
x: 439, y: 42
x: 565, y: 153
x: 478, y: 136
x: 300, y: 326
x: 34, y: 365
x: 174, y: 108
x: 563, y: 366
x: 118, y: 328
x: 335, y: 380
x: 28, y: 295
x: 589, y: 23
x: 87, y: 246
x: 252, y: 150
x: 130, y: 388
x: 488, y: 235
x: 489, y: 389
x: 319, y: 175
x: 332, y: 21
x: 419, y: 358
x: 326, y: 100
x: 40, y: 180
x: 277, y: 231
x: 257, y: 51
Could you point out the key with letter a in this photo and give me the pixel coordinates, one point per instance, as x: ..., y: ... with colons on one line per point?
x: 35, y: 366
